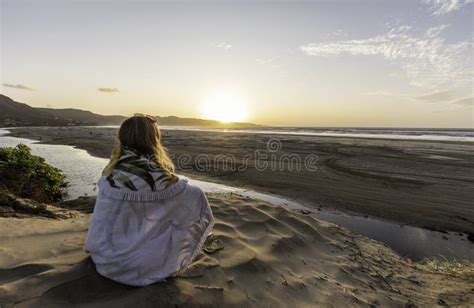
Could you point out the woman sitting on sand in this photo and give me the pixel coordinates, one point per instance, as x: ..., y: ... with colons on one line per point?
x: 147, y: 224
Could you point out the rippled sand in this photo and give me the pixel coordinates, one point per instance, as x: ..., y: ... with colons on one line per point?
x: 270, y: 257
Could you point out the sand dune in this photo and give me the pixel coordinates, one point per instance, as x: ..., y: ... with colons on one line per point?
x: 270, y: 257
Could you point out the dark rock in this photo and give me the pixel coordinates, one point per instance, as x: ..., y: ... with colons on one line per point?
x: 470, y: 237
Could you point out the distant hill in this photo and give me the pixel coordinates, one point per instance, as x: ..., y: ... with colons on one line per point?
x: 13, y: 113
x: 17, y: 114
x: 83, y: 117
x: 177, y: 121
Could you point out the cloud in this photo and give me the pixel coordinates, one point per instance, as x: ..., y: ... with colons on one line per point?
x: 379, y: 93
x: 224, y: 46
x: 441, y: 7
x: 468, y: 101
x: 18, y: 86
x: 339, y: 32
x: 426, y: 59
x: 383, y: 93
x: 440, y: 96
x: 108, y: 90
x: 266, y: 60
x: 453, y: 97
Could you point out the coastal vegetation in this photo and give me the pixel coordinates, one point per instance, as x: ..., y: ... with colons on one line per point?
x: 29, y: 176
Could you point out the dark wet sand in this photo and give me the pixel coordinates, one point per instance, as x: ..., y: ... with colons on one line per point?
x: 421, y: 183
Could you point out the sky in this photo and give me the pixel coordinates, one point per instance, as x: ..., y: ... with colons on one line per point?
x: 283, y: 63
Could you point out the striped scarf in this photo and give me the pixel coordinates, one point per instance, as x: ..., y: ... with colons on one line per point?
x: 138, y: 173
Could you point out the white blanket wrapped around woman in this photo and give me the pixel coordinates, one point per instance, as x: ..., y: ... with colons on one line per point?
x: 141, y: 237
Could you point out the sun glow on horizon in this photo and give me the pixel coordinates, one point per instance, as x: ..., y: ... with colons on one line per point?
x: 224, y: 107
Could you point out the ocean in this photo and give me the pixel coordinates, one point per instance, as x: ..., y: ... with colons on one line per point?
x: 434, y: 134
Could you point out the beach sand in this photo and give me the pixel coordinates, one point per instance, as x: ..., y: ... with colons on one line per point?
x: 420, y: 183
x: 271, y: 257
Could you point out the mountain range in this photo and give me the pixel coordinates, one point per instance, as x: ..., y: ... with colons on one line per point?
x: 13, y: 113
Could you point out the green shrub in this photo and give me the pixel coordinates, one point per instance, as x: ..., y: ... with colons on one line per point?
x: 29, y: 176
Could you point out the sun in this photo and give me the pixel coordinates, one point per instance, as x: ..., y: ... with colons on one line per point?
x: 224, y: 107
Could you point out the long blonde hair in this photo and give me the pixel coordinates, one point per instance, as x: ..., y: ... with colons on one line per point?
x: 141, y: 134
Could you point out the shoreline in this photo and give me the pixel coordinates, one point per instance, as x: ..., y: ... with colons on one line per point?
x: 176, y: 142
x: 272, y: 133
